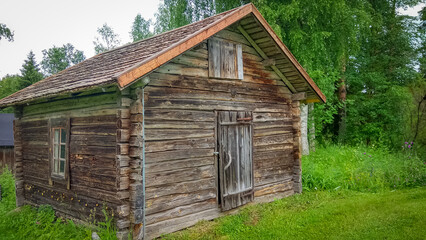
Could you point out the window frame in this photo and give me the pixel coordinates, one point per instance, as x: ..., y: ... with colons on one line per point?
x: 55, y: 175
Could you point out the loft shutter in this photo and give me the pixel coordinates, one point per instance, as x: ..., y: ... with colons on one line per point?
x: 225, y: 59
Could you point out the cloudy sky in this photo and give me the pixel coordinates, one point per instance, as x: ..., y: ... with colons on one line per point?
x: 41, y: 24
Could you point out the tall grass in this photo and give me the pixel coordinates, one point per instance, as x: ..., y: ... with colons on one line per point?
x: 361, y: 169
x: 41, y: 223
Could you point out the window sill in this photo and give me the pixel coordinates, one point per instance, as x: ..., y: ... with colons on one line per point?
x: 57, y: 177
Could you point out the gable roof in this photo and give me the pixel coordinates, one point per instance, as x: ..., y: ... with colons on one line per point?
x: 130, y: 62
x: 6, y: 129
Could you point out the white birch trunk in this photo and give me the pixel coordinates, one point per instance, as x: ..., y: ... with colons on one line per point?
x: 311, y: 130
x: 304, y: 128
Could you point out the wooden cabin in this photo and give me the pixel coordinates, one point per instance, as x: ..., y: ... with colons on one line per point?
x: 164, y: 132
x: 7, y: 154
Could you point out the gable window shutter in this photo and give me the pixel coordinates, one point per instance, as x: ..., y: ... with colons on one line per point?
x: 225, y: 59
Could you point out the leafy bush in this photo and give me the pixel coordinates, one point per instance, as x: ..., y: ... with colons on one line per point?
x: 361, y: 169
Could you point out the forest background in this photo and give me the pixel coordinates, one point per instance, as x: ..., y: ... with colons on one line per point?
x: 366, y: 57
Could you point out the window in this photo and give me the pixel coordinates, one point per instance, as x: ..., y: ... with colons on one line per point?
x: 225, y: 59
x: 59, y: 151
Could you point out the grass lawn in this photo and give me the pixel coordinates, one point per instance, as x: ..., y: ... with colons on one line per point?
x: 397, y: 214
x: 349, y: 193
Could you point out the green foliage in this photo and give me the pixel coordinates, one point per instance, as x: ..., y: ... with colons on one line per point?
x: 378, y: 78
x: 9, y: 84
x: 324, y: 114
x: 107, y: 39
x: 322, y: 215
x: 41, y: 223
x: 415, y: 109
x: 362, y: 169
x: 5, y: 32
x: 140, y: 28
x: 422, y: 39
x: 56, y: 59
x: 225, y: 5
x: 30, y: 72
x: 172, y: 14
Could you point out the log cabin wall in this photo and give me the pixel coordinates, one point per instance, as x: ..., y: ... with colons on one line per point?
x: 95, y: 180
x: 180, y: 129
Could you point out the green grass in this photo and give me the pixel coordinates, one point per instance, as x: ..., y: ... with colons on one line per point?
x: 41, y: 223
x: 349, y: 193
x: 362, y: 169
x: 398, y: 214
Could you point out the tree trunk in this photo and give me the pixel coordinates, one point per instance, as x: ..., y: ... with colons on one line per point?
x: 311, y: 130
x: 419, y: 111
x: 304, y: 128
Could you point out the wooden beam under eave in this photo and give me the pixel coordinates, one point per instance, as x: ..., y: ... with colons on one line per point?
x: 311, y: 100
x: 300, y: 96
x: 265, y: 57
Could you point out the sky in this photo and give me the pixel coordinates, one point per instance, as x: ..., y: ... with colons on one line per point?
x: 42, y: 24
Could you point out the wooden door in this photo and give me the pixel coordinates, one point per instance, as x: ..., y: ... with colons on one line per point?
x: 235, y: 158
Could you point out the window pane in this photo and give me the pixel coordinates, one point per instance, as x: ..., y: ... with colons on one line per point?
x: 62, y: 151
x: 62, y: 167
x: 55, y: 151
x: 63, y: 136
x: 56, y: 139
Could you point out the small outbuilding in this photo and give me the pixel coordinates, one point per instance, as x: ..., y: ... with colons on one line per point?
x: 7, y: 155
x: 166, y: 131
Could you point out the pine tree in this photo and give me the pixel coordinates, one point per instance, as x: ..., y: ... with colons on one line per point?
x: 30, y: 71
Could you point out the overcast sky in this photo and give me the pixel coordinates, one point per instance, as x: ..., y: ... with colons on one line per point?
x: 41, y: 24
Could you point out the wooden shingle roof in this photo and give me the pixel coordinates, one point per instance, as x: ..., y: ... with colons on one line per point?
x: 128, y: 63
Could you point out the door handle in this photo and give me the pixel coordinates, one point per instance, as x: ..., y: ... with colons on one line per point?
x: 230, y: 161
